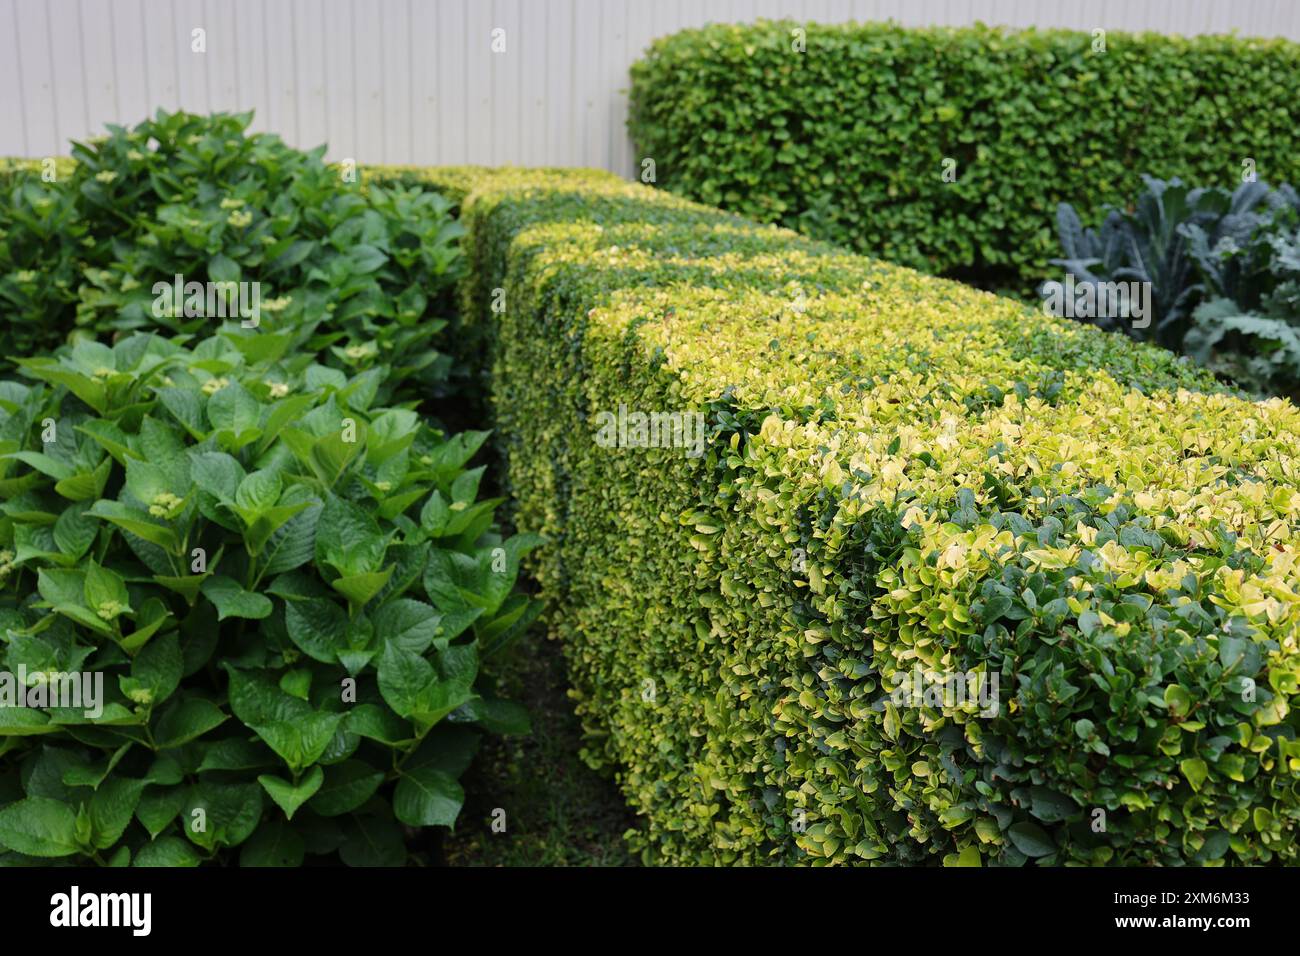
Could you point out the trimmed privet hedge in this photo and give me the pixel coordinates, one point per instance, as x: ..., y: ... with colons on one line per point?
x: 901, y: 472
x: 847, y: 140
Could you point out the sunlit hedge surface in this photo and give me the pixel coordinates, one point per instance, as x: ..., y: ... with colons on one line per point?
x: 902, y: 473
x: 849, y: 140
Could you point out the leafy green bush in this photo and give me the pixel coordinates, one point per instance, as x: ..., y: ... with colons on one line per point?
x: 195, y: 196
x: 1222, y: 268
x: 848, y: 140
x: 904, y: 478
x: 284, y: 577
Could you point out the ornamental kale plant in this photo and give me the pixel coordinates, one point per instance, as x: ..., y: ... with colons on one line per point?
x: 1222, y: 269
x: 1248, y: 327
x: 246, y: 588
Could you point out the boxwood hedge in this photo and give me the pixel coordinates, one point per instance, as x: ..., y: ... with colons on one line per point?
x: 847, y: 140
x: 905, y: 479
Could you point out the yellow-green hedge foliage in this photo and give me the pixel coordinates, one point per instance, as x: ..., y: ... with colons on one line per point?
x: 902, y: 472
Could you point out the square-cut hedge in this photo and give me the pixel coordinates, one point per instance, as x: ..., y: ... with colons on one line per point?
x: 901, y: 473
x: 948, y: 148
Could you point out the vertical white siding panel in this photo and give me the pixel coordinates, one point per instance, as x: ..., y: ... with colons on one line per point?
x: 1090, y: 16
x: 394, y: 27
x: 1024, y: 13
x: 252, y: 70
x: 1139, y: 17
x: 640, y: 30
x: 587, y: 145
x: 1050, y: 17
x: 1274, y: 16
x: 614, y: 59
x: 1220, y: 17
x: 1248, y: 18
x: 284, y: 110
x: 663, y: 18
x: 723, y: 11
x: 336, y: 41
x: 38, y: 81
x: 133, y: 102
x: 406, y: 81
x: 424, y: 81
x: 477, y: 46
x: 914, y: 15
x: 310, y: 77
x: 1132, y: 17
x: 863, y: 11
x: 1184, y: 15
x: 533, y: 68
x: 505, y: 90
x: 692, y: 13
x: 165, y: 49
x: 878, y: 10
x: 192, y: 67
x: 13, y: 101
x: 453, y: 76
x: 368, y: 50
x: 1164, y: 12
x: 68, y: 80
x: 159, y: 54
x: 96, y: 28
x: 222, y: 56
x: 254, y: 52
x: 558, y: 83
x: 774, y: 10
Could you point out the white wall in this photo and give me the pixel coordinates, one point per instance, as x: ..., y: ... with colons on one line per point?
x: 415, y: 81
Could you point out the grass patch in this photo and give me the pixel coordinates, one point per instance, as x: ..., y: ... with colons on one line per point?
x: 559, y: 812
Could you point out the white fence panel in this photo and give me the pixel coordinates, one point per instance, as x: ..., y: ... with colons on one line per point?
x: 522, y: 82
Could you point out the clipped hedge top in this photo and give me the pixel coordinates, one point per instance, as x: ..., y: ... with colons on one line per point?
x: 847, y: 140
x: 977, y: 487
x: 876, y: 354
x: 856, y: 356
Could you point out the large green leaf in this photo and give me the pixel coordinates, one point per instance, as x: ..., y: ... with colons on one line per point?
x: 290, y: 796
x: 232, y: 600
x: 415, y: 689
x: 39, y: 826
x: 274, y: 844
x: 221, y: 815
x: 186, y: 720
x: 290, y: 726
x: 168, y: 851
x: 348, y: 539
x: 155, y: 672
x: 346, y: 787
x: 426, y: 797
